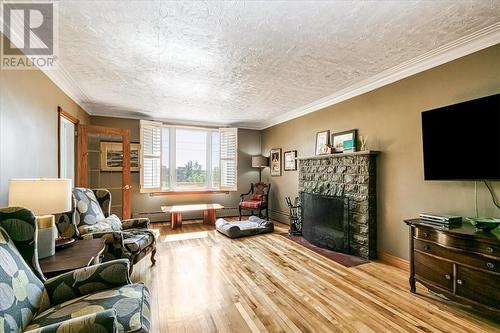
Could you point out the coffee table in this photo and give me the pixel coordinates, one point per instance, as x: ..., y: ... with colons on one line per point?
x: 83, y: 253
x: 177, y: 210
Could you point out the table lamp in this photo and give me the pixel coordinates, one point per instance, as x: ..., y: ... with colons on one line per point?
x: 44, y: 197
x: 260, y: 162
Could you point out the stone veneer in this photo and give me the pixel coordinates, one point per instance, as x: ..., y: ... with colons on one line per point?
x: 352, y: 175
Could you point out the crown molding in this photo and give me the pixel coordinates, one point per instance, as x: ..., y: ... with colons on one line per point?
x: 64, y: 81
x: 461, y: 47
x: 177, y: 122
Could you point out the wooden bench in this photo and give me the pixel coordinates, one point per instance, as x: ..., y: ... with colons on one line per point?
x: 177, y: 210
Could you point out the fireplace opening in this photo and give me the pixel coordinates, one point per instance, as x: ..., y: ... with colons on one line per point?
x: 325, y: 221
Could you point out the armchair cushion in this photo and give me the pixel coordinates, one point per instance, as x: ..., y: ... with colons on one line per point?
x: 21, y: 292
x: 104, y: 321
x: 251, y: 204
x: 87, y: 280
x: 136, y: 240
x: 131, y: 303
x: 110, y: 223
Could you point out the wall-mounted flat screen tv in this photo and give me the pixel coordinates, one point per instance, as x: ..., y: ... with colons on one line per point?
x: 462, y: 141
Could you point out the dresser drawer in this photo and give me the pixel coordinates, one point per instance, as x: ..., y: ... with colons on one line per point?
x: 478, y: 286
x: 470, y: 259
x: 457, y: 242
x: 438, y: 272
x: 426, y: 234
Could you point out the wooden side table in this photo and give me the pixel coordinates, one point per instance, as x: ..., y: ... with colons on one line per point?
x: 82, y: 253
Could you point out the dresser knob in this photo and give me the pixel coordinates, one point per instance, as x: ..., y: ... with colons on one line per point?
x: 447, y: 276
x: 427, y: 247
x: 425, y: 234
x: 489, y: 249
x: 490, y: 265
x: 460, y: 282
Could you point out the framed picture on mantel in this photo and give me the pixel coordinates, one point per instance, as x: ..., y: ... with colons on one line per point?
x: 345, y: 141
x: 275, y: 162
x: 322, y: 143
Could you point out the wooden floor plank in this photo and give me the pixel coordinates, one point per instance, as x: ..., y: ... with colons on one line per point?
x: 206, y: 282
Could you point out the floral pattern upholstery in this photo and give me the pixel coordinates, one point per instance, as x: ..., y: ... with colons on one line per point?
x: 130, y: 304
x: 87, y: 280
x: 21, y: 292
x: 104, y: 321
x: 92, y: 218
x: 97, y: 298
x: 20, y: 224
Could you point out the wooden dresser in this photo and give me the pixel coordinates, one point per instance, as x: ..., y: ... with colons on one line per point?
x: 459, y: 262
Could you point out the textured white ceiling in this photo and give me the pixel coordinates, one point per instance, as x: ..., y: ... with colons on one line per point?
x: 245, y: 63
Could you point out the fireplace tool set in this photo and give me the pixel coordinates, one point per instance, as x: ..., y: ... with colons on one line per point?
x: 295, y: 225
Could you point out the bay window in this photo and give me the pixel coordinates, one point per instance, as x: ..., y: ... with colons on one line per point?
x: 178, y: 158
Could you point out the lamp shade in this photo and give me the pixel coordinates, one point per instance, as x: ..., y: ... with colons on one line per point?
x: 41, y: 196
x: 259, y: 161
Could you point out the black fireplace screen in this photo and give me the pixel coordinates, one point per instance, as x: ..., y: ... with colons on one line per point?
x: 325, y: 221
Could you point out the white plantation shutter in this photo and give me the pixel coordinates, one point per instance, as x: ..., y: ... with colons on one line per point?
x: 151, y: 156
x: 228, y: 158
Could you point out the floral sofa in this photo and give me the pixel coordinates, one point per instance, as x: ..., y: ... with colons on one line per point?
x: 97, y: 298
x: 91, y: 217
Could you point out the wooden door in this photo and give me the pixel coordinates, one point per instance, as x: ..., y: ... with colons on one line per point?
x: 82, y: 170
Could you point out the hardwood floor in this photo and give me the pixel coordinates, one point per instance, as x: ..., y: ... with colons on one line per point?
x: 205, y: 282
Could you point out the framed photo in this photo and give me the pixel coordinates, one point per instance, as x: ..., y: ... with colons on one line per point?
x: 275, y: 162
x: 345, y: 141
x: 112, y: 156
x: 322, y: 142
x: 290, y: 160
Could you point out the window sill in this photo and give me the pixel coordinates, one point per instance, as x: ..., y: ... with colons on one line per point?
x: 154, y: 194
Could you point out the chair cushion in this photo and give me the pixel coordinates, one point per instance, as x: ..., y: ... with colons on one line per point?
x: 131, y: 303
x: 21, y: 292
x: 136, y: 240
x: 251, y: 204
x: 110, y: 223
x: 253, y: 226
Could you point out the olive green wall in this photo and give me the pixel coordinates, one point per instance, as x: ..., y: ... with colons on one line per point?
x: 28, y: 125
x: 249, y: 143
x: 390, y: 117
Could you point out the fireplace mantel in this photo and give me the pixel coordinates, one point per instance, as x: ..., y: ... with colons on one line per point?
x: 351, y: 175
x: 339, y: 155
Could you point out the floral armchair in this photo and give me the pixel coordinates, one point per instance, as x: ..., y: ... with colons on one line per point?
x: 259, y: 198
x: 91, y: 217
x: 97, y: 298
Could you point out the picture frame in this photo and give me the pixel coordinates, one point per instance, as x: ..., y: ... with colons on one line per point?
x: 112, y: 156
x: 346, y: 141
x: 290, y: 160
x: 322, y: 143
x: 275, y: 162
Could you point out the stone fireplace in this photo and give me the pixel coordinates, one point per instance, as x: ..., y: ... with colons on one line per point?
x: 351, y: 176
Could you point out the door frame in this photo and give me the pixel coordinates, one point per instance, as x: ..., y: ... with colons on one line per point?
x: 82, y: 164
x: 69, y: 117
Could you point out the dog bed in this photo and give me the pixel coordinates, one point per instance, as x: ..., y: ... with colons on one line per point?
x: 253, y: 226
